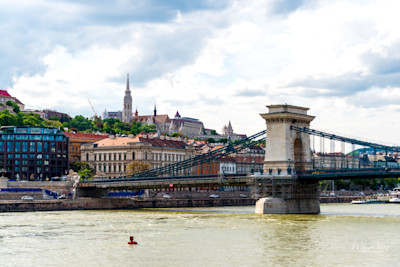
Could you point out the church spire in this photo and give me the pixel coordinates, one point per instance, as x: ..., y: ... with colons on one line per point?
x: 127, y: 106
x: 127, y: 83
x: 155, y: 110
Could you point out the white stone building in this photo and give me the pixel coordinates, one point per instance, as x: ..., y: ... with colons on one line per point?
x: 111, y: 156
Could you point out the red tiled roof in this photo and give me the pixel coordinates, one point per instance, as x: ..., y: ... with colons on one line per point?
x: 4, y: 93
x: 156, y: 142
x: 86, y: 135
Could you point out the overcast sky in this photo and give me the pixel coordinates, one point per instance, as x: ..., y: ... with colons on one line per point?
x: 217, y: 61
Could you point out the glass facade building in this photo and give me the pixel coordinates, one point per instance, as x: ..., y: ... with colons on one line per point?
x: 33, y: 153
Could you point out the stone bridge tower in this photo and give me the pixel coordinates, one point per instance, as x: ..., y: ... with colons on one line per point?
x: 287, y: 151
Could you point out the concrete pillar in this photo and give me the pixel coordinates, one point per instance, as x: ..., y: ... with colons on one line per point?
x: 274, y: 205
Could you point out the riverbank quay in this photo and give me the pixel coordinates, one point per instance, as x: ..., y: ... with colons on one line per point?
x: 338, y: 199
x: 116, y: 203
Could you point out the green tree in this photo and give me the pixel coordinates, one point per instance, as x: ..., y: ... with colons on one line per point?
x: 136, y: 166
x: 81, y: 123
x: 223, y: 140
x: 80, y: 166
x: 176, y: 134
x: 54, y: 118
x: 32, y: 119
x: 86, y: 173
x: 54, y: 124
x: 7, y: 119
x: 148, y: 128
x: 210, y: 140
x: 14, y: 105
x: 135, y: 129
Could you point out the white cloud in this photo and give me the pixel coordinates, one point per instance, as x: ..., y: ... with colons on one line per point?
x: 220, y: 64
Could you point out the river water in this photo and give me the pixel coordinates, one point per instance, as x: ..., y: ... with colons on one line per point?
x: 342, y: 235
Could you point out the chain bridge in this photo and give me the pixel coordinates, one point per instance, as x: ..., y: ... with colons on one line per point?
x: 294, y: 164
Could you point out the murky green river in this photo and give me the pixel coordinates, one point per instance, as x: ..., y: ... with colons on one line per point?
x: 342, y: 235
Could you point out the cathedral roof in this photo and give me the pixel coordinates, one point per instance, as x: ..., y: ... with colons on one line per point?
x: 156, y: 119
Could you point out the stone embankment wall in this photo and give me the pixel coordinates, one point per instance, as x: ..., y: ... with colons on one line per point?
x: 338, y: 199
x: 117, y: 203
x: 59, y: 187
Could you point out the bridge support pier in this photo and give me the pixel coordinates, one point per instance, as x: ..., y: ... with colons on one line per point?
x: 274, y: 205
x: 286, y: 195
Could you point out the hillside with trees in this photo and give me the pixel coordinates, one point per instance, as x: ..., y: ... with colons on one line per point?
x: 78, y: 124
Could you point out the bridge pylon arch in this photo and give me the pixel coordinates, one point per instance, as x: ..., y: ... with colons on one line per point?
x: 285, y: 149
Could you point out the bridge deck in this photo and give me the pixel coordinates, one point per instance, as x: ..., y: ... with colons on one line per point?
x: 167, y: 182
x: 337, y: 174
x: 235, y: 180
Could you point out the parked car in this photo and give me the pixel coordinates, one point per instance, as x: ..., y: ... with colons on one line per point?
x: 27, y: 198
x: 214, y: 196
x: 166, y: 196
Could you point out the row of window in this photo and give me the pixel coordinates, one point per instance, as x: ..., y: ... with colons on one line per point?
x: 33, y: 156
x: 103, y: 157
x: 228, y: 169
x: 156, y: 156
x: 38, y: 170
x: 33, y: 162
x: 206, y: 167
x: 25, y: 146
x: 111, y: 168
x: 168, y: 157
x: 33, y: 137
x: 74, y: 149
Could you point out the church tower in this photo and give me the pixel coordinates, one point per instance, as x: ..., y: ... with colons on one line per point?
x: 127, y: 110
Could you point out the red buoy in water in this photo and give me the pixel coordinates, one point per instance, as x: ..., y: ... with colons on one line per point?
x: 132, y: 242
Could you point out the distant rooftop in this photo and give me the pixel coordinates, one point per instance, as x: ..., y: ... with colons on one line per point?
x: 189, y: 119
x: 4, y: 93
